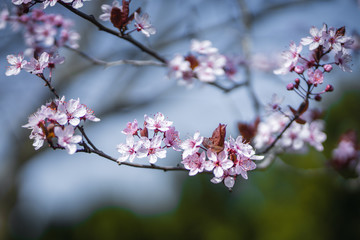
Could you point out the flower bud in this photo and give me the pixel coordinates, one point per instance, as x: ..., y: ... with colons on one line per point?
x: 318, y: 98
x: 297, y: 81
x: 327, y: 67
x: 290, y: 87
x: 329, y: 88
x: 299, y: 69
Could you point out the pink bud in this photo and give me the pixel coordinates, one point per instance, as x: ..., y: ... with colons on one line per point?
x: 299, y: 69
x: 297, y: 81
x: 318, y: 98
x: 327, y: 67
x: 329, y: 88
x: 290, y: 86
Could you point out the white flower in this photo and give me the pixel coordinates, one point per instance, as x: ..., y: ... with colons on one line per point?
x: 143, y: 24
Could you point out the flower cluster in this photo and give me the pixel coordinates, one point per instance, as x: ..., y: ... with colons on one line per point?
x: 204, y: 63
x: 311, y: 69
x: 346, y: 156
x: 43, y: 32
x: 57, y: 120
x: 51, y: 3
x: 120, y: 18
x: 225, y: 158
x: 294, y: 138
x: 35, y: 65
x: 164, y: 136
x: 321, y: 42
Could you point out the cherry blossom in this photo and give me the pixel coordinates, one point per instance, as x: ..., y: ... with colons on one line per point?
x: 210, y: 67
x: 290, y: 59
x: 191, y: 145
x: 343, y: 59
x: 76, y: 3
x: 4, y: 15
x: 130, y: 150
x: 316, y: 136
x: 157, y: 123
x: 195, y: 163
x: 36, y: 66
x: 67, y: 139
x: 218, y: 163
x: 17, y: 63
x: 202, y: 47
x: 172, y: 139
x: 315, y: 77
x: 19, y: 2
x: 318, y: 37
x: 143, y: 24
x: 153, y: 147
x: 228, y: 178
x: 131, y: 128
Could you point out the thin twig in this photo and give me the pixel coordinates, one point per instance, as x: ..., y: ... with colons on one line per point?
x: 101, y: 27
x: 48, y: 84
x: 118, y: 62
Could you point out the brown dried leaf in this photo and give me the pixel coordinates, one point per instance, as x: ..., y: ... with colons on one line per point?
x: 116, y: 18
x: 218, y: 138
x: 340, y: 32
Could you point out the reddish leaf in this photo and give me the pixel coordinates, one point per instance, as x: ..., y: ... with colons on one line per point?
x: 193, y: 61
x: 340, y: 32
x: 300, y: 121
x: 116, y: 18
x: 216, y: 141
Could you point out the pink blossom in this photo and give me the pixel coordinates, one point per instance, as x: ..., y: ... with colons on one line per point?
x: 130, y: 150
x: 153, y: 147
x: 179, y: 67
x: 76, y: 3
x: 334, y: 41
x: 191, y: 145
x: 295, y: 136
x: 158, y: 123
x: 143, y: 24
x: 316, y: 136
x: 67, y: 139
x: 210, y: 67
x: 131, y: 128
x: 4, y: 15
x: 315, y: 77
x: 50, y: 3
x: 74, y: 111
x: 290, y: 59
x: 243, y: 165
x: 345, y: 150
x: 242, y: 149
x: 46, y: 33
x: 172, y: 139
x: 36, y: 66
x: 19, y: 2
x: 343, y: 59
x: 218, y: 163
x: 195, y: 163
x: 228, y: 178
x: 17, y: 64
x: 202, y: 47
x: 316, y: 39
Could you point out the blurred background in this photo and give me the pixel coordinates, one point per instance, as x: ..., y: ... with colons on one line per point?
x: 48, y: 194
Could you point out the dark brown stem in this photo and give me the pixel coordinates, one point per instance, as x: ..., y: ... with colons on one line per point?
x: 101, y: 27
x: 48, y: 84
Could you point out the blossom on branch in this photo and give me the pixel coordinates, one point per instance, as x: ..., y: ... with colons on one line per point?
x: 17, y: 63
x: 67, y: 139
x: 142, y: 23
